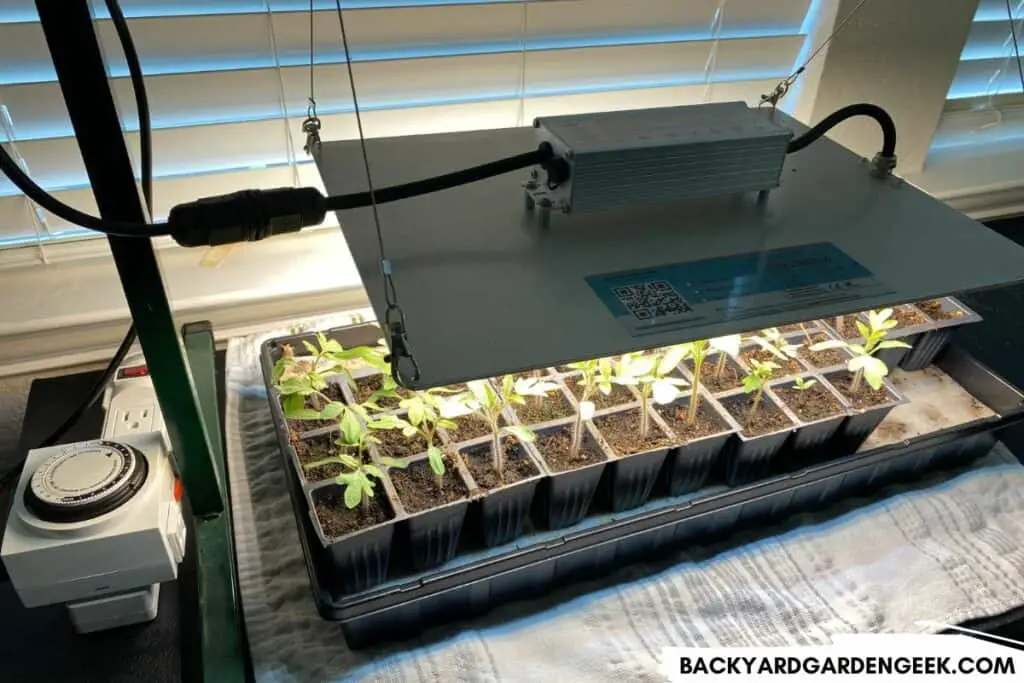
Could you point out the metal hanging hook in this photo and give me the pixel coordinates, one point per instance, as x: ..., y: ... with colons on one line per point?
x: 311, y: 127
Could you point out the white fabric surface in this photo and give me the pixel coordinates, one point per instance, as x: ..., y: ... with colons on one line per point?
x: 949, y: 550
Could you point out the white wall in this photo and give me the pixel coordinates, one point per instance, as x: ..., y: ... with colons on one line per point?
x: 898, y: 54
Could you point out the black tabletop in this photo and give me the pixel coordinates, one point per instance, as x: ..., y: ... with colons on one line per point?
x: 39, y: 644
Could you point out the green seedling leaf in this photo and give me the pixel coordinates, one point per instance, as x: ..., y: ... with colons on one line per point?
x: 532, y: 386
x: 409, y: 432
x: 751, y: 383
x: 373, y: 471
x: 863, y: 329
x: 353, y: 494
x: 522, y: 433
x: 350, y: 428
x: 728, y: 344
x: 672, y: 358
x: 387, y: 422
x: 302, y: 414
x: 830, y: 344
x: 295, y: 385
x: 293, y: 403
x: 664, y: 391
x: 447, y: 424
x: 453, y: 407
x: 367, y: 485
x: 278, y: 372
x: 417, y: 412
x: 507, y: 383
x: 333, y: 460
x: 332, y: 410
x: 804, y: 384
x: 893, y: 344
x: 639, y: 367
x: 313, y: 351
x: 481, y: 391
x: 435, y: 458
x: 587, y: 409
x: 392, y: 462
x: 349, y: 461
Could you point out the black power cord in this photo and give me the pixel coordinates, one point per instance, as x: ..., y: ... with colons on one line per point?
x: 835, y: 118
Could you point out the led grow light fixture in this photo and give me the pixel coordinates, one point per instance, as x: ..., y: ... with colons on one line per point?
x: 487, y: 289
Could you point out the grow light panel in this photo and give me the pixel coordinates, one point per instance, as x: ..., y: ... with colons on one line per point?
x: 487, y: 289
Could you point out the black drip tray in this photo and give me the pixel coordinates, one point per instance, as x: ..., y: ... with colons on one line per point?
x: 479, y: 579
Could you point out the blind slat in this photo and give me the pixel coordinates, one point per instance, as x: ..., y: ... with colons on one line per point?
x: 54, y: 162
x: 228, y: 81
x: 209, y: 43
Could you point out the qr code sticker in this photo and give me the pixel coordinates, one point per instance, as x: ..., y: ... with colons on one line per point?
x: 652, y: 300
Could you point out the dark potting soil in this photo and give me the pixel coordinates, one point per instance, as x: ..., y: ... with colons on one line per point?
x: 768, y: 418
x: 318, y: 448
x: 908, y: 316
x: 821, y: 359
x: 538, y: 409
x: 517, y: 465
x: 338, y: 520
x: 622, y: 432
x: 331, y: 391
x: 555, y: 445
x: 864, y: 396
x: 933, y: 308
x: 619, y: 395
x: 366, y: 386
x: 731, y: 377
x: 846, y: 325
x: 790, y: 366
x: 470, y: 427
x: 795, y: 327
x: 706, y: 423
x: 393, y: 443
x: 815, y: 403
x: 420, y: 489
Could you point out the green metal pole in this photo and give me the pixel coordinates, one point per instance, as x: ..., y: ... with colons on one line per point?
x: 220, y: 624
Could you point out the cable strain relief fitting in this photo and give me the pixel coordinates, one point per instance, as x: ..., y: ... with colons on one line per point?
x: 882, y: 166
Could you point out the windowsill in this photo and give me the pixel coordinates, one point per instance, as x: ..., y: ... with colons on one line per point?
x: 74, y: 312
x: 982, y: 181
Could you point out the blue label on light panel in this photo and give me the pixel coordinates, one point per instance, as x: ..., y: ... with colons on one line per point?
x: 681, y: 295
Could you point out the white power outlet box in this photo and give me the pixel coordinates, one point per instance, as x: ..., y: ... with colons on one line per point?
x: 133, y: 420
x: 131, y: 403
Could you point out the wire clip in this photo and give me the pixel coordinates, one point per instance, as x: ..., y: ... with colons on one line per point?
x: 311, y: 127
x: 398, y: 342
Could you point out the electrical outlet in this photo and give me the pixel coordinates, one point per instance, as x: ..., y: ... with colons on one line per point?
x: 134, y: 420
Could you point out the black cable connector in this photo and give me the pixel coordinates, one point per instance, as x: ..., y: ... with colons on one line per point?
x: 252, y: 215
x: 246, y: 216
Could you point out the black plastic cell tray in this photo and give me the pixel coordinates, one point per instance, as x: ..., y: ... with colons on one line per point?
x: 475, y: 582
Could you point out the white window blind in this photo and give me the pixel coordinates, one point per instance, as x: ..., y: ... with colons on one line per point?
x: 985, y: 105
x: 228, y: 80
